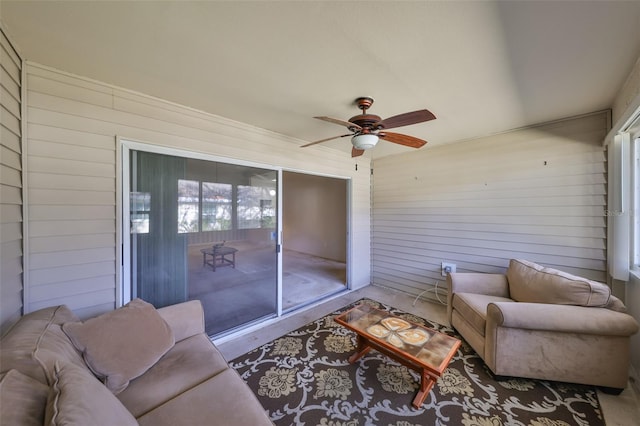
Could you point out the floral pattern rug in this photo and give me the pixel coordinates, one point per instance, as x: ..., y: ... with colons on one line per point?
x: 304, y: 378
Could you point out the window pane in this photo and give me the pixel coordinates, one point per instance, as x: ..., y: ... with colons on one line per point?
x: 256, y: 207
x: 140, y: 205
x: 216, y: 206
x: 188, y: 205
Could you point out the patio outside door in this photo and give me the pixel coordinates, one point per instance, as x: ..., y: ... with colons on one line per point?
x: 204, y: 230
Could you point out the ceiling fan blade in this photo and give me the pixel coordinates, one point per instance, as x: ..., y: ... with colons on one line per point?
x: 355, y: 152
x: 400, y: 139
x: 324, y: 140
x: 406, y: 119
x: 347, y: 124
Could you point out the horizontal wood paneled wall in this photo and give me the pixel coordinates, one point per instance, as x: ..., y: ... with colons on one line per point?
x: 536, y: 193
x: 73, y: 173
x: 11, y: 270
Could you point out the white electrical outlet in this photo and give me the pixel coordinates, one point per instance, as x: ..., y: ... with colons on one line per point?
x: 447, y: 268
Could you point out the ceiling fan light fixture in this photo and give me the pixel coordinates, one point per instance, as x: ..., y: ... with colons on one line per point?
x: 364, y: 141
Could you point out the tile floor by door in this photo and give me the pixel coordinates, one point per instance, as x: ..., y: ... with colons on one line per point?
x: 619, y: 410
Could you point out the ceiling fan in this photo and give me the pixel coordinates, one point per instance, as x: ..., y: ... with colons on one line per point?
x: 367, y: 129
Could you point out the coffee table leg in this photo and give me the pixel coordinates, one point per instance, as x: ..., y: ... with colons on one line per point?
x: 363, y: 348
x: 426, y: 383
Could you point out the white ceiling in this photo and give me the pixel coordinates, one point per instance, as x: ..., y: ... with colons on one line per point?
x: 481, y: 67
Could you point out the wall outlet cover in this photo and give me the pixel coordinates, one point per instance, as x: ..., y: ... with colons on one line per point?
x: 447, y: 268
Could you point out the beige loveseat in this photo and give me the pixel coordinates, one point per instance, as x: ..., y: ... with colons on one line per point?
x: 136, y: 365
x: 541, y: 323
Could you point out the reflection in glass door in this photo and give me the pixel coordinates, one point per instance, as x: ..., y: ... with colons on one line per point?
x: 204, y: 230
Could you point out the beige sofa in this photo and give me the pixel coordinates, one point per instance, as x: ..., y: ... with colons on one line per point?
x: 541, y: 323
x: 134, y: 365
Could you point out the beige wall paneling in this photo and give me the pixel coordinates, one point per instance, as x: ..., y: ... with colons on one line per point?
x: 537, y: 193
x: 73, y: 125
x: 11, y: 247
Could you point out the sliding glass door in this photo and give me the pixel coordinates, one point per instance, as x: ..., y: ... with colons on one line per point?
x: 159, y: 250
x: 204, y: 230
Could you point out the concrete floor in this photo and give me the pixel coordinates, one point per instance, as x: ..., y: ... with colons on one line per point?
x: 235, y: 296
x: 619, y: 410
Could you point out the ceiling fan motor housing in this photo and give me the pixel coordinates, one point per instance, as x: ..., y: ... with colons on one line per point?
x: 366, y: 121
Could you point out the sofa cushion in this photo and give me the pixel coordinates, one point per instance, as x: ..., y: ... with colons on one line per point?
x: 78, y: 398
x: 186, y: 319
x: 36, y: 341
x: 473, y: 308
x: 616, y: 304
x: 529, y: 282
x: 22, y: 399
x: 189, y: 363
x: 121, y: 345
x: 222, y: 400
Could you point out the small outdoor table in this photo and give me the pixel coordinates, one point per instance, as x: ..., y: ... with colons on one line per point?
x: 217, y: 256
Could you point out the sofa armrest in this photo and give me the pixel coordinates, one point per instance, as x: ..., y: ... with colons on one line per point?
x: 560, y: 318
x: 478, y: 283
x: 185, y: 319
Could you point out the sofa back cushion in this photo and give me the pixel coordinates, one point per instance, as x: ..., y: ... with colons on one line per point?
x: 36, y: 342
x: 529, y: 282
x: 616, y: 304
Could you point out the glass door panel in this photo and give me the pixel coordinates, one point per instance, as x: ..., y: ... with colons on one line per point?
x: 204, y: 230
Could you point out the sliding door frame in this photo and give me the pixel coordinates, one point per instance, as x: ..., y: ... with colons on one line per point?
x: 126, y: 146
x: 349, y: 183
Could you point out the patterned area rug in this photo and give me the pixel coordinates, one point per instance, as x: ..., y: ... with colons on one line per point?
x: 304, y: 378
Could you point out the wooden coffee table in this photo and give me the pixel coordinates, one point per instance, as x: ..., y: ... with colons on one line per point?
x: 420, y: 348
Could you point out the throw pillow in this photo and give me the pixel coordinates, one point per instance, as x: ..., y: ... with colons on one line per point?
x: 22, y: 399
x: 121, y: 345
x: 78, y: 398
